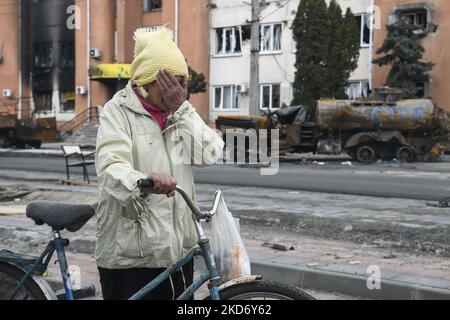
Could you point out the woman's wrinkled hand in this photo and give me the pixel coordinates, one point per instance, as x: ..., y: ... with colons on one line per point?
x: 163, y: 184
x: 173, y: 91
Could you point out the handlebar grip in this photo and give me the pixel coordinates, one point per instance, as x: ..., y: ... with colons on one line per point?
x: 145, y: 183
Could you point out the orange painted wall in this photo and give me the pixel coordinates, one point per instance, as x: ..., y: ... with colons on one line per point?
x: 194, y: 42
x: 9, y: 46
x: 437, y: 48
x: 81, y: 66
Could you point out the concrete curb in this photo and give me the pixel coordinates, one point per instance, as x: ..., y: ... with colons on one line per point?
x: 346, y: 279
x: 31, y: 153
x: 353, y: 284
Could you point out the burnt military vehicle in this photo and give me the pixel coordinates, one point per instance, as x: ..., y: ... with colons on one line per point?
x: 383, y: 127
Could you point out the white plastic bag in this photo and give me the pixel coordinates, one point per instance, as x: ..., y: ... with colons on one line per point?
x: 226, y: 244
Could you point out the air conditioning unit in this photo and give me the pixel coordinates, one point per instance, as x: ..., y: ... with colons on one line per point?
x: 242, y: 88
x: 95, y: 53
x: 7, y: 93
x: 81, y: 90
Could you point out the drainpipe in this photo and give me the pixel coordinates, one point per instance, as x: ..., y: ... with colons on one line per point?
x: 176, y: 20
x: 19, y: 113
x: 88, y: 61
x: 372, y: 17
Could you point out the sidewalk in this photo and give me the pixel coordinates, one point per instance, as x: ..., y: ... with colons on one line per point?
x: 50, y: 149
x: 54, y: 150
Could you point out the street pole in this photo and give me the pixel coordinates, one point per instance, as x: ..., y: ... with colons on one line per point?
x: 254, y: 60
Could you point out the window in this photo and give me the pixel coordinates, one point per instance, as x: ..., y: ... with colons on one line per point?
x: 42, y: 101
x: 420, y: 14
x: 43, y: 55
x: 67, y: 55
x: 363, y: 23
x: 269, y: 96
x: 67, y: 99
x: 418, y: 18
x: 294, y: 46
x: 358, y: 89
x: 152, y: 5
x: 271, y: 37
x: 226, y: 97
x: 422, y: 90
x: 228, y: 41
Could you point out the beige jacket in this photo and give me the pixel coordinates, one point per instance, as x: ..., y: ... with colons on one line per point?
x: 153, y: 231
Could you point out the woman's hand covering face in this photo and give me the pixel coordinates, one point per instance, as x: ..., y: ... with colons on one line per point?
x: 173, y: 91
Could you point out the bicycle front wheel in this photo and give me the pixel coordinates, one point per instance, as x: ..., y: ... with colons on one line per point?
x: 264, y: 290
x: 10, y: 277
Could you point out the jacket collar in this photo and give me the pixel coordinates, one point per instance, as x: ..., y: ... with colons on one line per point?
x: 131, y: 101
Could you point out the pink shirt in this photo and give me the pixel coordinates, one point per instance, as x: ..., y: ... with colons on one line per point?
x: 158, y: 115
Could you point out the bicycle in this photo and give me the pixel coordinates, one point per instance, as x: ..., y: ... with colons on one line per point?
x: 21, y: 276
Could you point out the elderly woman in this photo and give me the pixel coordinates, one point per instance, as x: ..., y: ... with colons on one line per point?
x: 149, y: 130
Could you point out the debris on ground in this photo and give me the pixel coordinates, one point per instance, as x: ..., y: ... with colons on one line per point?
x: 354, y: 262
x: 12, y: 194
x: 276, y: 246
x: 337, y: 257
x: 347, y: 163
x: 444, y: 203
x: 348, y: 228
x: 312, y: 264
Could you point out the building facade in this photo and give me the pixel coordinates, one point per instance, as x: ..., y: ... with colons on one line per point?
x: 433, y: 17
x: 61, y: 57
x: 230, y: 54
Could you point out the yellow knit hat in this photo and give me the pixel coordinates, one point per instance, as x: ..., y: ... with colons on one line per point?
x: 155, y: 50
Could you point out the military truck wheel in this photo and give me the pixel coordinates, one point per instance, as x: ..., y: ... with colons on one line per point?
x: 405, y: 154
x: 365, y: 154
x: 4, y: 142
x: 36, y: 144
x: 21, y: 144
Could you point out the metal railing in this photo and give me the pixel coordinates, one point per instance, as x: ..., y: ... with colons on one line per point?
x: 81, y: 120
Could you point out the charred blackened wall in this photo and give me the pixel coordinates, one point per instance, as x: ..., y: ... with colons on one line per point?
x: 52, y: 58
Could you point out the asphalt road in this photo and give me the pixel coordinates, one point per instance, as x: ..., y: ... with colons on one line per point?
x: 357, y: 181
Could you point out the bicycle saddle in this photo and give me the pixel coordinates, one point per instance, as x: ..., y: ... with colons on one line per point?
x: 60, y: 216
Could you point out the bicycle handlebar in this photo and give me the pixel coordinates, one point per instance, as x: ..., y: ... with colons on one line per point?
x: 148, y: 183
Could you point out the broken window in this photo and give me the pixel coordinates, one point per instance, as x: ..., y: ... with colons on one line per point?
x: 270, y: 96
x: 226, y: 97
x: 152, y: 5
x: 246, y: 32
x: 67, y: 55
x: 421, y: 89
x: 228, y: 40
x: 364, y: 29
x: 358, y: 89
x: 67, y: 99
x: 42, y: 101
x: 43, y: 55
x: 418, y: 14
x: 271, y: 37
x: 418, y: 18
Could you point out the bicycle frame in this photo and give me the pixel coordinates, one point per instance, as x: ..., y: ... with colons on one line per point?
x: 40, y: 265
x: 202, y: 249
x: 210, y: 274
